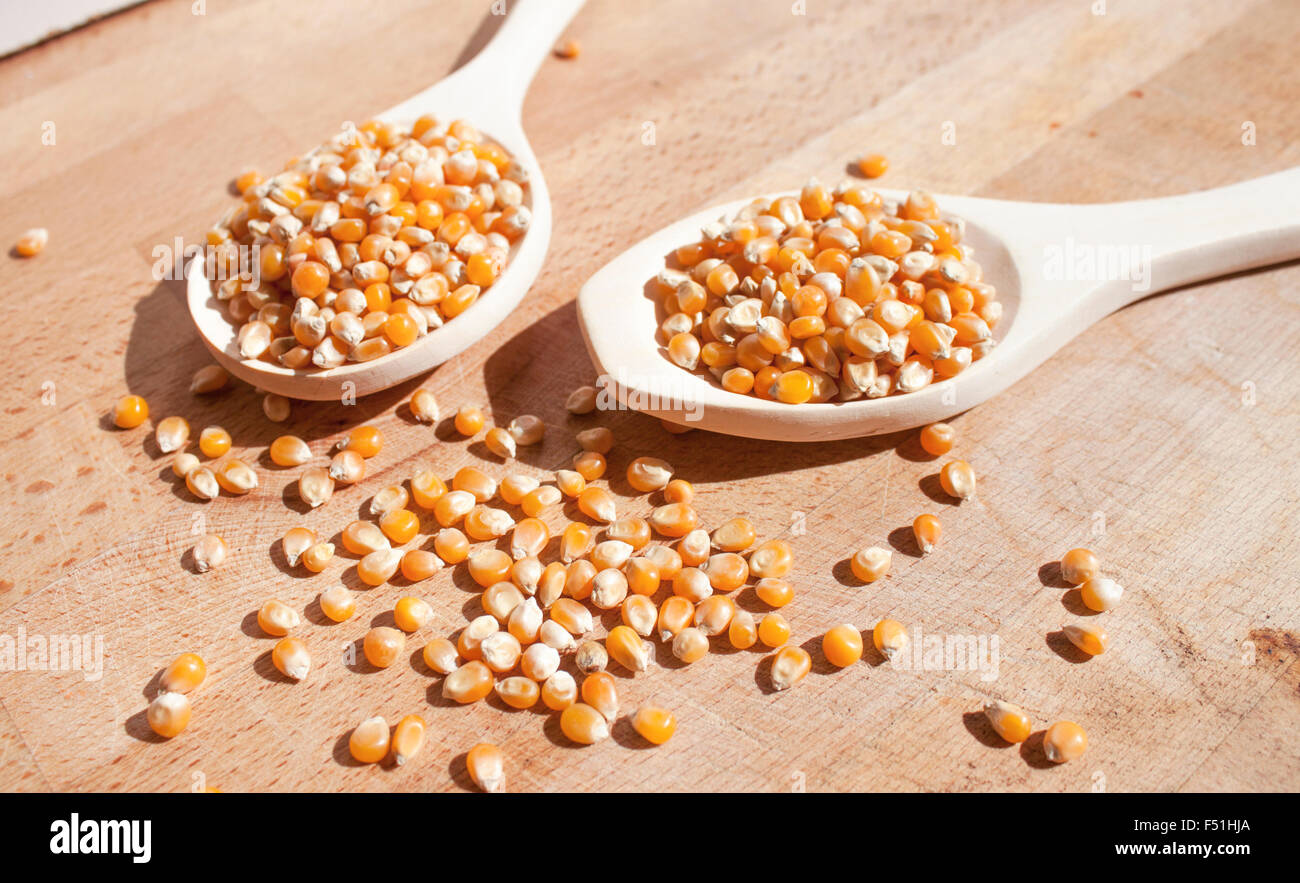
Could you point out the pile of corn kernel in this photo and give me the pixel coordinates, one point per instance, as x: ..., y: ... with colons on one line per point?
x: 828, y: 296
x: 367, y: 242
x: 539, y: 612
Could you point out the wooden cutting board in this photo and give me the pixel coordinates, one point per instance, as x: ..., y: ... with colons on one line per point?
x: 1163, y: 437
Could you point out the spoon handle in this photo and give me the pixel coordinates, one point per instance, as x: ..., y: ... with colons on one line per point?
x: 1196, y: 236
x: 506, y: 65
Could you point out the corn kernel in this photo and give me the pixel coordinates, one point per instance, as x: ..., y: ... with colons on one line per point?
x: 655, y: 725
x: 842, y: 645
x: 1079, y: 565
x: 1064, y: 741
x: 1008, y: 721
x: 383, y: 645
x: 185, y: 673
x: 169, y: 714
x: 369, y: 741
x: 790, y: 665
x: 486, y: 766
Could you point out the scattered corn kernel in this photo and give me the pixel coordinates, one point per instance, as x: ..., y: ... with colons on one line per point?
x: 790, y: 665
x: 842, y: 645
x: 583, y: 724
x: 656, y: 725
x: 383, y: 645
x: 1064, y: 741
x: 1079, y: 565
x: 369, y: 741
x: 937, y: 439
x: 486, y: 766
x: 276, y: 618
x: 33, y: 241
x: 890, y: 638
x: 1101, y: 594
x: 958, y: 479
x: 129, y: 412
x: 408, y: 738
x: 209, y: 552
x: 169, y: 714
x: 291, y: 659
x: 289, y: 450
x: 214, y: 442
x: 1088, y: 637
x: 927, y: 530
x: 871, y: 563
x: 338, y: 603
x: 186, y: 673
x: 1008, y: 721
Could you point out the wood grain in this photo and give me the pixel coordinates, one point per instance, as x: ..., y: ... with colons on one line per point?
x: 1161, y: 437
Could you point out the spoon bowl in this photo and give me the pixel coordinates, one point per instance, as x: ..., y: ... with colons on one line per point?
x: 489, y: 92
x: 1037, y: 255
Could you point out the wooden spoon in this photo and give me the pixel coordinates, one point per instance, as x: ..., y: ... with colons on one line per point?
x: 489, y: 92
x: 1033, y: 253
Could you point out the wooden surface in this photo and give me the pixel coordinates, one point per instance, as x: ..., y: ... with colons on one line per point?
x: 1163, y: 437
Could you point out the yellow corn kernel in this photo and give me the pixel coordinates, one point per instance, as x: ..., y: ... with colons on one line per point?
x: 774, y: 592
x: 627, y: 648
x: 597, y: 504
x: 400, y: 525
x: 289, y: 450
x: 486, y: 523
x: 675, y: 614
x: 419, y: 564
x: 1079, y: 565
x: 599, y: 690
x: 362, y: 538
x: 487, y: 567
x: 169, y: 714
x: 469, y: 642
x: 927, y: 530
x: 369, y: 741
x: 1008, y: 721
x: 172, y: 434
x: 500, y: 600
x: 236, y: 477
x: 347, y: 467
x: 427, y: 488
x: 726, y: 571
x: 678, y: 491
x: 412, y: 614
x: 452, y: 507
x: 539, y: 662
x: 570, y: 483
x: 500, y: 442
x: 642, y: 576
x: 317, y: 556
x: 424, y: 406
x: 773, y: 630
x: 291, y: 659
x: 1064, y: 741
x: 575, y: 618
x: 500, y: 651
x: 638, y: 613
x: 674, y: 520
x: 582, y: 400
x: 383, y: 645
x: 958, y: 479
x: 477, y: 483
x: 742, y: 632
x: 589, y: 464
x: 469, y: 420
x: 518, y: 692
x: 277, y: 618
x: 735, y: 535
x: 583, y: 724
x: 451, y: 545
x: 690, y: 645
x: 649, y: 474
x: 338, y: 603
x: 376, y: 568
x: 129, y: 412
x: 184, y: 463
x: 486, y: 766
x: 655, y: 725
x: 315, y: 487
x: 692, y: 584
x: 608, y: 589
x: 713, y: 615
x: 871, y: 563
x: 790, y: 665
x: 575, y: 542
x: 389, y: 499
x: 772, y: 559
x: 365, y: 440
x: 559, y: 691
x: 441, y: 656
x: 873, y: 165
x: 1088, y: 637
x: 937, y: 439
x: 185, y: 673
x: 408, y: 738
x: 33, y: 241
x: 209, y: 552
x: 214, y: 442
x: 842, y: 645
x: 890, y: 637
x: 1100, y: 593
x: 469, y: 683
x: 537, y: 501
x: 295, y: 542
